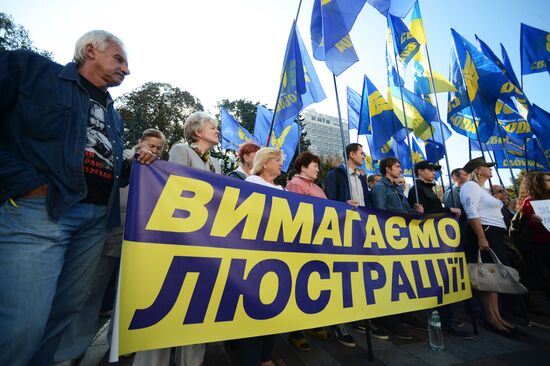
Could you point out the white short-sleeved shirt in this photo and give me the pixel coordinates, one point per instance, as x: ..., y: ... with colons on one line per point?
x: 478, y: 203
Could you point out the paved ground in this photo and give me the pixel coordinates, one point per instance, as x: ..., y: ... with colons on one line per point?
x: 487, y: 349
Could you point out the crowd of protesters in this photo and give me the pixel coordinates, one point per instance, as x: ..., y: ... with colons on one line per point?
x: 62, y: 178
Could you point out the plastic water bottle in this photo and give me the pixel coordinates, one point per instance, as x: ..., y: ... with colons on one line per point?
x: 434, y: 331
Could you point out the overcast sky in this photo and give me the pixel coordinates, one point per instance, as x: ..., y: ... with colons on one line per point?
x: 234, y: 49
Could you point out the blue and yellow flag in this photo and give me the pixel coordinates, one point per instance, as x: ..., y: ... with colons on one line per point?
x: 508, y: 66
x: 405, y: 156
x: 421, y: 77
x: 369, y: 166
x: 331, y: 22
x: 512, y: 109
x: 435, y: 146
x: 483, y: 85
x: 354, y: 108
x: 511, y: 121
x: 418, y: 112
x: 388, y: 150
x: 300, y: 86
x: 417, y: 25
x: 540, y: 123
x: 383, y: 122
x: 496, y: 142
x: 398, y: 8
x: 535, y: 49
x: 285, y: 138
x: 405, y: 45
x: 518, y: 160
x: 233, y: 134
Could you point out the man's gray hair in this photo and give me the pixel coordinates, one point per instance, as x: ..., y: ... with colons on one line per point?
x: 100, y: 39
x: 194, y: 123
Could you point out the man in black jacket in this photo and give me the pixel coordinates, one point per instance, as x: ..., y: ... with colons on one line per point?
x: 425, y: 177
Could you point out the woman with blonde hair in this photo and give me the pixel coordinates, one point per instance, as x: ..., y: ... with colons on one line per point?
x: 485, y: 231
x: 266, y: 167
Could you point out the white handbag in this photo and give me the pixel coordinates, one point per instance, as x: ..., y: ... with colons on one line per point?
x: 494, y: 277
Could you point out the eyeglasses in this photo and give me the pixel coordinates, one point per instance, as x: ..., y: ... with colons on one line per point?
x: 499, y: 191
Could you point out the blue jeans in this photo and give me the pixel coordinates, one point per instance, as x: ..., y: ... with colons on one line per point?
x: 46, y: 269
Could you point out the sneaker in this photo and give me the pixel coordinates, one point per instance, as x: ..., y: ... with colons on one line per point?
x: 378, y: 333
x: 398, y: 331
x: 300, y: 343
x: 457, y: 332
x: 457, y: 323
x: 343, y: 336
x: 359, y: 327
x: 320, y: 333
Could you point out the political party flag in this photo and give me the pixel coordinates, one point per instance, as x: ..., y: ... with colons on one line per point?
x: 354, y: 108
x: 383, y: 122
x: 535, y: 49
x: 540, y: 123
x: 405, y: 45
x: 421, y: 77
x: 283, y: 138
x: 262, y: 124
x: 405, y: 156
x: 483, y: 84
x: 510, y: 90
x: 511, y: 121
x: 300, y: 85
x: 417, y: 25
x: 233, y: 134
x: 331, y: 22
x: 508, y: 66
x: 398, y: 8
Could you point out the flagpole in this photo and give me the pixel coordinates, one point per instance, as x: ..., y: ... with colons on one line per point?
x: 342, y: 134
x: 496, y: 167
x: 526, y: 160
x: 506, y: 157
x: 407, y: 127
x: 542, y: 151
x: 440, y: 122
x: 282, y: 74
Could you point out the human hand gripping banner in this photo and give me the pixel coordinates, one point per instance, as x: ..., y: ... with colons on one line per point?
x: 209, y: 258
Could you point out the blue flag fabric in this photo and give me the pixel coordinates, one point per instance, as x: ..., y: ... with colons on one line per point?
x: 483, y: 84
x: 354, y: 108
x: 388, y: 150
x: 495, y: 142
x: 435, y: 147
x: 405, y: 156
x: 404, y: 44
x: 300, y: 84
x: 331, y: 22
x: 540, y: 123
x: 516, y: 159
x: 233, y: 134
x: 384, y: 124
x: 262, y: 124
x: 285, y: 139
x: 508, y: 66
x: 399, y: 8
x: 510, y: 120
x: 511, y: 94
x: 535, y: 49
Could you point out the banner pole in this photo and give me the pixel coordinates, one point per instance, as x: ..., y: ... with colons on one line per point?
x: 342, y: 134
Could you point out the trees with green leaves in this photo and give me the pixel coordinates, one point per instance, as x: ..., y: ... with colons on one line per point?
x: 14, y: 36
x: 156, y: 105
